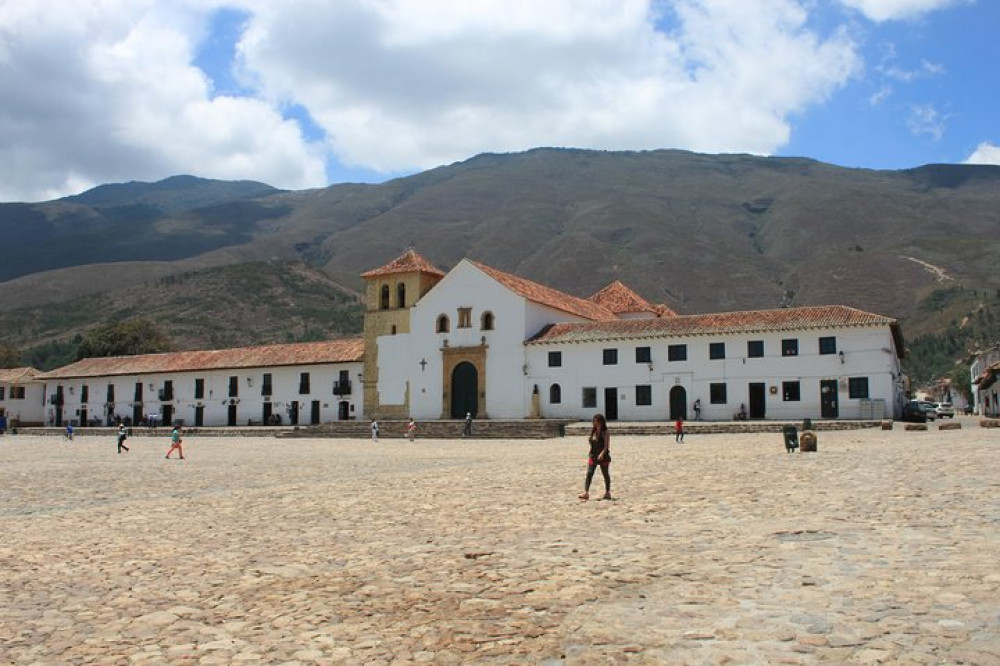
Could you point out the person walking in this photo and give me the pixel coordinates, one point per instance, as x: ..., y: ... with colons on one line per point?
x: 175, y: 442
x: 679, y: 430
x: 467, y: 432
x: 411, y: 430
x: 122, y: 436
x: 600, y: 456
x: 374, y: 431
x: 697, y: 409
x: 69, y: 432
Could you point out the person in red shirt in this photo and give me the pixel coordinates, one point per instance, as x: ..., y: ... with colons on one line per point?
x: 679, y: 430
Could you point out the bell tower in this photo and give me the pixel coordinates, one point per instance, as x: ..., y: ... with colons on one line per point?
x: 390, y: 292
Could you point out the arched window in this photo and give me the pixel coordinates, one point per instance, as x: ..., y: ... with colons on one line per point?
x: 487, y: 321
x: 401, y: 295
x: 555, y: 394
x: 384, y: 298
x: 443, y: 324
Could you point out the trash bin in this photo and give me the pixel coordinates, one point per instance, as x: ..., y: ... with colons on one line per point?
x: 807, y: 424
x: 791, y: 438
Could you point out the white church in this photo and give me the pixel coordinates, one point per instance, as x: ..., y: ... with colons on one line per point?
x: 478, y: 340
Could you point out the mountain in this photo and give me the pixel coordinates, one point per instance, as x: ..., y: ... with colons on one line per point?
x: 700, y: 233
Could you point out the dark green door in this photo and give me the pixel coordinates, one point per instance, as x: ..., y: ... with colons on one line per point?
x: 758, y: 400
x: 828, y: 399
x: 464, y: 390
x: 678, y: 403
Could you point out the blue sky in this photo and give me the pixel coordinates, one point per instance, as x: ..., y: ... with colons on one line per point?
x: 305, y: 93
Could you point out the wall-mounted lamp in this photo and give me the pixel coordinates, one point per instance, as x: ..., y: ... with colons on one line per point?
x: 151, y: 386
x: 72, y: 389
x: 524, y: 369
x: 249, y: 381
x: 650, y: 366
x: 841, y: 355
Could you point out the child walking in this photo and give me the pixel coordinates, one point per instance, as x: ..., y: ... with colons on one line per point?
x: 175, y: 443
x: 679, y: 430
x: 122, y: 436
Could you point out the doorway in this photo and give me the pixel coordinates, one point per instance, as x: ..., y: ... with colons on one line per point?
x: 343, y: 410
x: 168, y: 415
x: 464, y: 390
x: 199, y: 415
x: 231, y: 416
x: 314, y: 413
x: 265, y: 415
x: 611, y: 404
x: 828, y: 399
x: 678, y: 403
x: 293, y: 412
x: 758, y: 400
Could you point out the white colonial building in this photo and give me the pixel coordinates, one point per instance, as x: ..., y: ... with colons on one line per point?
x: 482, y: 341
x: 985, y: 371
x: 478, y: 340
x: 22, y: 397
x: 289, y: 384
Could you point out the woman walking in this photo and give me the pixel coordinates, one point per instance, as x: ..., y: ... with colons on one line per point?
x: 122, y: 436
x: 600, y: 455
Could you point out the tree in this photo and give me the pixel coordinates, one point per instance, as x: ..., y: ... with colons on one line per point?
x: 125, y: 338
x: 10, y: 357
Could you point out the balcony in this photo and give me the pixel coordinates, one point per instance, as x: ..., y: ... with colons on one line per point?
x: 56, y: 399
x: 342, y: 387
x: 165, y: 395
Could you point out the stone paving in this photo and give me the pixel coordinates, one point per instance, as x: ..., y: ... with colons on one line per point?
x: 882, y: 548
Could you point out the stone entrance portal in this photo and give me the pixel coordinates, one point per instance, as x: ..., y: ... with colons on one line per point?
x: 464, y: 382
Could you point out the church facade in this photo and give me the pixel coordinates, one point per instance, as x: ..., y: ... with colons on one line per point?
x: 481, y: 341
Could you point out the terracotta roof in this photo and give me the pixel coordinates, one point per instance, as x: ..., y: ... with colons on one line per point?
x: 750, y: 321
x: 548, y: 296
x: 18, y: 375
x: 621, y: 300
x: 302, y: 353
x: 410, y: 262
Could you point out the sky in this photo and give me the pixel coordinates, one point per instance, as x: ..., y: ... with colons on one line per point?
x: 305, y: 93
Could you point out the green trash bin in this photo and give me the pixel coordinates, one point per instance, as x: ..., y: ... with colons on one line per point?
x: 791, y: 438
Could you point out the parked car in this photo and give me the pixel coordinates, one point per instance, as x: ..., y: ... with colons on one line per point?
x: 945, y: 410
x: 914, y: 412
x: 929, y: 408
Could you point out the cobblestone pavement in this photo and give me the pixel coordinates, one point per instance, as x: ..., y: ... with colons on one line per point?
x: 880, y: 548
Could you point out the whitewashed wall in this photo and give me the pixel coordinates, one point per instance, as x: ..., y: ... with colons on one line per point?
x: 467, y: 286
x: 30, y: 409
x: 868, y: 352
x: 216, y: 401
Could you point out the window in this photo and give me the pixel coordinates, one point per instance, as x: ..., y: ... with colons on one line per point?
x: 111, y: 393
x: 677, y: 353
x: 2, y: 392
x: 400, y: 295
x: 755, y: 348
x: 266, y: 384
x: 138, y: 392
x: 857, y: 387
x: 790, y: 391
x: 465, y: 317
x: 555, y: 359
x: 643, y: 395
x: 443, y: 324
x: 828, y: 345
x: 790, y: 347
x: 643, y: 355
x: 199, y: 389
x: 486, y: 323
x: 555, y: 394
x: 610, y: 357
x: 590, y: 397
x: 167, y: 392
x: 303, y: 382
x: 234, y: 387
x: 716, y: 350
x: 717, y: 394
x: 17, y: 393
x: 383, y: 302
x: 84, y: 394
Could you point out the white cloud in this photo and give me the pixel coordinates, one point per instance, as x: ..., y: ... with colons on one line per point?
x: 895, y: 10
x: 403, y: 84
x: 106, y: 93
x: 985, y: 153
x: 925, y: 120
